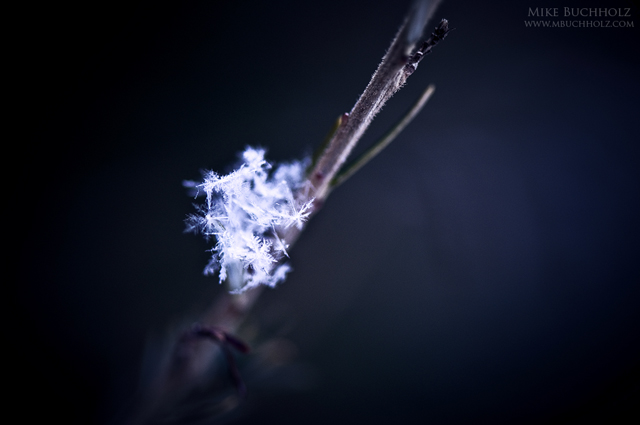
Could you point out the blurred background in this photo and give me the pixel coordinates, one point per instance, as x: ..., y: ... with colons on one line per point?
x: 482, y: 269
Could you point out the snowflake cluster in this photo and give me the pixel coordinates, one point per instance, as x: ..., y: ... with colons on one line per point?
x: 246, y: 211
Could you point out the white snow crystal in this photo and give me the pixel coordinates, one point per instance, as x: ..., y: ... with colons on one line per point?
x: 245, y: 211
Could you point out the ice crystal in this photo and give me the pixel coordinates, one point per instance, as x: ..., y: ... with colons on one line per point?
x: 246, y: 212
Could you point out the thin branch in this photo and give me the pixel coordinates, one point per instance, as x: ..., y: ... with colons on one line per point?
x: 385, y: 140
x: 186, y: 366
x: 391, y: 75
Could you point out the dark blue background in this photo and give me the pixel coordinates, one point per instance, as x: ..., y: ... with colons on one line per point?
x: 483, y: 269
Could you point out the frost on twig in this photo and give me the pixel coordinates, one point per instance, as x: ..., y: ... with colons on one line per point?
x: 246, y: 212
x: 254, y: 212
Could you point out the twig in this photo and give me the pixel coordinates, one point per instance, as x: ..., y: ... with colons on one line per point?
x: 385, y: 140
x: 391, y: 75
x: 187, y: 365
